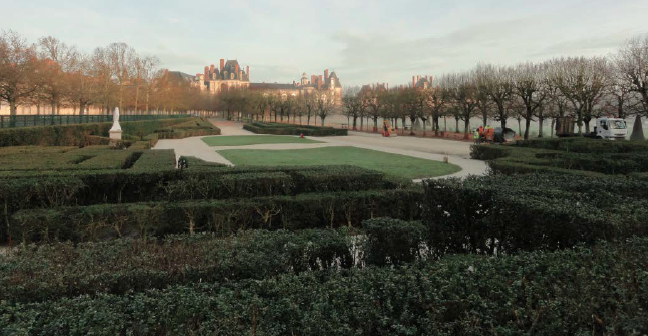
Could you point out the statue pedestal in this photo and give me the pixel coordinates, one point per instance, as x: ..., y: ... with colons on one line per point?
x: 115, y: 138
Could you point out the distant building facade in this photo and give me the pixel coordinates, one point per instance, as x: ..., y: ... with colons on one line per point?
x: 230, y: 75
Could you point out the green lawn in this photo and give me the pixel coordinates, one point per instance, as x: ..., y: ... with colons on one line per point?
x: 393, y: 164
x: 244, y: 140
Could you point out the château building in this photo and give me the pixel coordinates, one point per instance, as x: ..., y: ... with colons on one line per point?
x: 230, y: 75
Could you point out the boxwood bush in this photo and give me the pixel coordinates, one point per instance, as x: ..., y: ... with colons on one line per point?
x: 506, y: 214
x: 289, y: 129
x: 220, y: 217
x: 74, y: 135
x: 579, y: 156
x: 584, y: 291
x: 52, y: 271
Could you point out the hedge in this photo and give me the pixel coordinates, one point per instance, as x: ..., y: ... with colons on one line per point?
x: 565, y: 156
x: 584, y: 291
x: 221, y: 217
x: 74, y: 135
x: 585, y: 145
x: 287, y: 129
x: 52, y: 271
x: 506, y: 214
x: 155, y: 160
x: 158, y: 181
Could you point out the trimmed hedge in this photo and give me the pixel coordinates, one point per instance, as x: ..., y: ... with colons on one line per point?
x: 158, y: 181
x: 585, y: 145
x: 52, y: 271
x: 289, y: 129
x: 584, y: 291
x: 155, y: 160
x: 565, y: 156
x: 506, y: 214
x: 221, y: 217
x: 74, y: 135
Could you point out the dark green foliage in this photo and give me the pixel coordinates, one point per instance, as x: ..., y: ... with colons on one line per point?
x: 74, y: 135
x: 152, y: 178
x: 579, y: 156
x: 221, y: 217
x: 193, y: 162
x: 505, y: 214
x: 289, y: 129
x: 392, y: 241
x: 584, y: 291
x: 45, y: 272
x: 155, y: 160
x: 489, y: 152
x: 189, y: 128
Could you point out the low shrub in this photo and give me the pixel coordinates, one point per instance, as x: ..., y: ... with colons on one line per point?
x: 52, y: 271
x: 392, y: 241
x: 289, y: 129
x: 75, y: 134
x: 155, y: 160
x: 580, y: 291
x: 506, y: 214
x: 221, y: 217
x: 192, y: 162
x: 489, y: 152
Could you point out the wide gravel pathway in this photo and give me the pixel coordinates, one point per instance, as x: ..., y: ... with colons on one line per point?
x: 457, y: 152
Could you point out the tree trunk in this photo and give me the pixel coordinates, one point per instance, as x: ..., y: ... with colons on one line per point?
x: 540, y: 123
x: 412, y: 120
x: 355, y: 122
x: 322, y: 120
x: 553, y: 124
x: 456, y: 125
x: 466, y: 128
x: 527, y: 125
x: 587, y: 123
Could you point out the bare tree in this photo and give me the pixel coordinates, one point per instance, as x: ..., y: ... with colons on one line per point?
x: 632, y: 66
x: 531, y: 86
x: 324, y: 107
x: 149, y: 73
x: 59, y: 61
x: 463, y: 92
x: 352, y: 104
x: 20, y: 70
x: 497, y: 84
x: 120, y: 57
x: 583, y: 82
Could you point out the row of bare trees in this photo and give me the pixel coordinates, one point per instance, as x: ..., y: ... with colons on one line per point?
x: 579, y: 87
x: 51, y: 74
x: 273, y: 106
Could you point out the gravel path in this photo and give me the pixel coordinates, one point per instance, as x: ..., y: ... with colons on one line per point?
x: 458, y: 152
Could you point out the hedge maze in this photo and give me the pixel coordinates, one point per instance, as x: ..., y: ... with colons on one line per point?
x: 147, y: 249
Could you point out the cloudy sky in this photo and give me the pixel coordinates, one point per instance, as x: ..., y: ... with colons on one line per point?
x: 362, y: 40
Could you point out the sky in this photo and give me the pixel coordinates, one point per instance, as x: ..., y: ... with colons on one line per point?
x: 363, y: 41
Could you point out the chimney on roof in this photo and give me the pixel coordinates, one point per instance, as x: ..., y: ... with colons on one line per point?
x: 236, y: 69
x: 320, y: 80
x: 247, y: 71
x: 326, y: 76
x: 211, y: 69
x: 413, y: 82
x: 418, y: 78
x: 313, y: 79
x: 222, y: 64
x: 206, y: 72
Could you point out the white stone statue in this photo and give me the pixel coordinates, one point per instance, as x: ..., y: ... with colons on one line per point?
x: 115, y: 131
